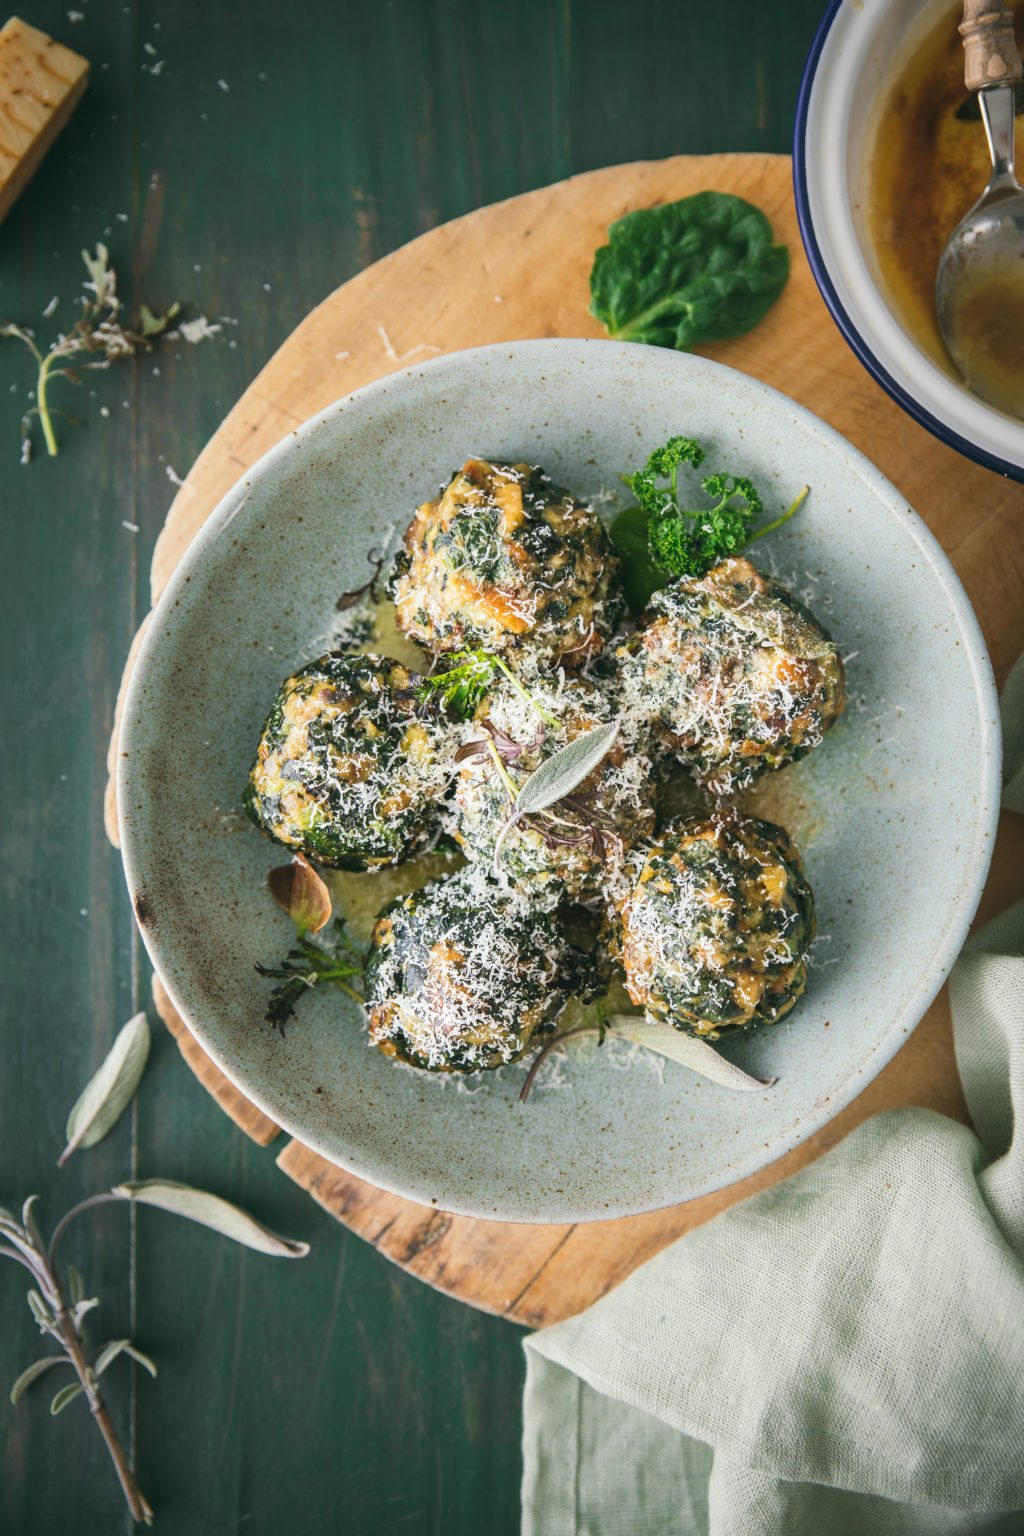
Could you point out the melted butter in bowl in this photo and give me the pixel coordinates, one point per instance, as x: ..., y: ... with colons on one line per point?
x: 927, y: 164
x: 988, y: 330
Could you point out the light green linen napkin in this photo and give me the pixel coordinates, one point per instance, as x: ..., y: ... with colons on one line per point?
x: 840, y: 1355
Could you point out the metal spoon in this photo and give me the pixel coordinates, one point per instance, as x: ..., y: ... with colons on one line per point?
x: 979, y: 291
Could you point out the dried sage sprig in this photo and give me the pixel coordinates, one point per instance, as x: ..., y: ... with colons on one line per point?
x: 97, y: 331
x: 59, y: 1304
x: 211, y: 1211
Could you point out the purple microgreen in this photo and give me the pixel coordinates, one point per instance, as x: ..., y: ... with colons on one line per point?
x: 473, y: 752
x: 299, y: 891
x: 502, y: 774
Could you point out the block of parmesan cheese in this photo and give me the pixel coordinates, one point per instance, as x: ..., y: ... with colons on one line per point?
x: 40, y: 82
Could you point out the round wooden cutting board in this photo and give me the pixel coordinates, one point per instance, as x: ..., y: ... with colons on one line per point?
x: 520, y: 269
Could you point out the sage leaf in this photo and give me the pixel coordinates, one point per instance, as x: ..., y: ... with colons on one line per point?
x: 115, y: 1347
x: 80, y: 1308
x: 699, y: 1055
x: 211, y: 1211
x: 155, y: 325
x: 28, y: 1221
x: 108, y: 1094
x: 66, y: 1395
x: 76, y: 1285
x: 142, y: 1359
x: 40, y: 1311
x: 98, y: 267
x: 299, y: 890
x: 109, y: 1352
x: 565, y: 769
x: 35, y: 1370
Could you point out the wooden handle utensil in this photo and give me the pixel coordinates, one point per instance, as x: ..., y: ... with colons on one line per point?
x: 990, y: 49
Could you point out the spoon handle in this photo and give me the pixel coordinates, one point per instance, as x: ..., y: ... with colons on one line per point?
x: 990, y: 50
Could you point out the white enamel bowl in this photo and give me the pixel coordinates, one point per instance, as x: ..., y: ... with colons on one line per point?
x: 859, y: 45
x: 894, y: 812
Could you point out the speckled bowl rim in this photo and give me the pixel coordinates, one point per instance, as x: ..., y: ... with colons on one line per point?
x: 972, y: 877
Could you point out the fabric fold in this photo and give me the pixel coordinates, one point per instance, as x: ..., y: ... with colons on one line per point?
x: 841, y: 1353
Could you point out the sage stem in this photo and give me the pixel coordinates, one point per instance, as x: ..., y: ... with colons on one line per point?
x: 69, y: 1216
x: 100, y: 1412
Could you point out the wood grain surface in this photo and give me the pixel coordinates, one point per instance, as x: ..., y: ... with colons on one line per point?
x: 519, y: 269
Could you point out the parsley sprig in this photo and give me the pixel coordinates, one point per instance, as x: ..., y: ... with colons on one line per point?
x: 661, y: 538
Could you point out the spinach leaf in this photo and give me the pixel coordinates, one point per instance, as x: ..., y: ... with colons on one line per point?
x: 702, y: 269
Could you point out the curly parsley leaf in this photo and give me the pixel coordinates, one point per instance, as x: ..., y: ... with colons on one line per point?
x: 705, y: 268
x: 688, y: 543
x: 660, y: 538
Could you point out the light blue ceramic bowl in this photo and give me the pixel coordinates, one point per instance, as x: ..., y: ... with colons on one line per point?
x: 895, y: 812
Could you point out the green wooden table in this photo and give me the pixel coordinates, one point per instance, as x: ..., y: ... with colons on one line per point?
x: 246, y: 160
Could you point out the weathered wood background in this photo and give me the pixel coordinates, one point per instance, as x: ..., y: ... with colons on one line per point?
x: 246, y: 161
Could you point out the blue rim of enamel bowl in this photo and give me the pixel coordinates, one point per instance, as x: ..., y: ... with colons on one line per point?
x: 819, y: 269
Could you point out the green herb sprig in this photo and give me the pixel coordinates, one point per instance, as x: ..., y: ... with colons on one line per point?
x: 660, y: 538
x: 463, y: 685
x: 58, y: 1299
